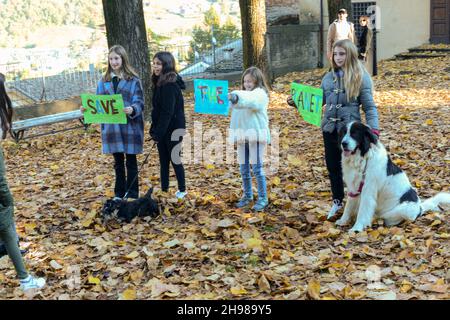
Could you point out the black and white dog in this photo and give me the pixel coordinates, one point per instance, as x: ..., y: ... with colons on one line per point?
x: 126, y: 210
x: 375, y: 185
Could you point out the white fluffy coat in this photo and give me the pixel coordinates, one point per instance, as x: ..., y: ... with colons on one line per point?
x: 249, y: 119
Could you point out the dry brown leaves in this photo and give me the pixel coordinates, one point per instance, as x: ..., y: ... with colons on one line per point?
x: 204, y: 248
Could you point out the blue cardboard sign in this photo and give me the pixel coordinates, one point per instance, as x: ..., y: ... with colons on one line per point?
x: 211, y: 96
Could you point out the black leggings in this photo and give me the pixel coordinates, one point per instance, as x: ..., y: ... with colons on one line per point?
x: 165, y: 149
x: 334, y: 166
x: 123, y: 182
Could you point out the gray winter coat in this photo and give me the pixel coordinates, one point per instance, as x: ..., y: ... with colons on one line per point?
x: 6, y: 199
x: 339, y: 112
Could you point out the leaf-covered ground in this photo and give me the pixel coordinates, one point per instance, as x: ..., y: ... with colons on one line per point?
x: 203, y: 248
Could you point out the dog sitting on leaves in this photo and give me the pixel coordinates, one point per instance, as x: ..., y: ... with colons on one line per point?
x: 126, y: 210
x: 376, y: 186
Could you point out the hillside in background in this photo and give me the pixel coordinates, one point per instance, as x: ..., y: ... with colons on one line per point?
x: 178, y: 17
x: 31, y: 24
x: 21, y: 19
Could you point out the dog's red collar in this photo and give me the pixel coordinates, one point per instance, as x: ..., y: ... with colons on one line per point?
x: 355, y: 195
x: 361, y: 184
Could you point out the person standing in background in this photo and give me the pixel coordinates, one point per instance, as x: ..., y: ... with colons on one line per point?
x: 340, y: 29
x: 365, y: 49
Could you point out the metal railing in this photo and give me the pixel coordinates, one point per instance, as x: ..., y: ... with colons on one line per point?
x: 31, y: 89
x: 223, y: 59
x: 64, y: 85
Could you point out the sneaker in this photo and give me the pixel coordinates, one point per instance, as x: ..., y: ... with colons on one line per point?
x: 337, y: 205
x: 32, y: 283
x: 261, y: 204
x: 243, y: 202
x: 180, y: 194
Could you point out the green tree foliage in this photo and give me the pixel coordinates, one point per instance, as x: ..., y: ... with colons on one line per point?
x: 228, y: 31
x: 211, y: 17
x: 155, y: 40
x: 18, y: 18
x: 202, y: 35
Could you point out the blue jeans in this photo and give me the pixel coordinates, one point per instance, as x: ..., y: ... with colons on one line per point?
x: 252, y: 153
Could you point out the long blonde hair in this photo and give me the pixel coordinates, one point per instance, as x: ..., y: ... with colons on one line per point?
x: 127, y: 69
x: 353, y: 68
x: 259, y: 77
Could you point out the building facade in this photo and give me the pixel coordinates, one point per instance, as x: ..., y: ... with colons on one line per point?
x: 401, y: 24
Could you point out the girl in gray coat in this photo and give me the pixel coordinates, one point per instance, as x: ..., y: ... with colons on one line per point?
x: 7, y: 228
x: 347, y: 87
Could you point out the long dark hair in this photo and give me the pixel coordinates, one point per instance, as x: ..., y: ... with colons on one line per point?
x: 168, y: 73
x: 6, y: 110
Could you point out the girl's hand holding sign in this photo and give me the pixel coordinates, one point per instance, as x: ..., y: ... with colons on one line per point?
x: 128, y: 110
x: 104, y: 109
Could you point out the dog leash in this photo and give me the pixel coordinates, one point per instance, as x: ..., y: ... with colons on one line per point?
x: 137, y: 173
x: 361, y: 184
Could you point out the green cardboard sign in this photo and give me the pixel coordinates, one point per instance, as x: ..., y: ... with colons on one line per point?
x: 309, y: 102
x: 103, y: 108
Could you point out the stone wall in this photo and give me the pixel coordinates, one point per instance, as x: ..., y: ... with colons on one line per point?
x: 282, y: 12
x: 292, y: 48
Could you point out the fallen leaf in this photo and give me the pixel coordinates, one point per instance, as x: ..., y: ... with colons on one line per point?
x: 373, y: 273
x: 129, y: 294
x: 55, y: 265
x: 254, y: 243
x: 314, y: 289
x: 276, y: 181
x: 118, y: 270
x: 238, y: 291
x: 263, y: 284
x: 172, y: 243
x: 383, y: 295
x: 132, y: 255
x: 93, y: 280
x: 158, y: 287
x: 225, y: 223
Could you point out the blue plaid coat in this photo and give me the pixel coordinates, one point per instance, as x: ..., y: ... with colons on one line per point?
x: 124, y: 138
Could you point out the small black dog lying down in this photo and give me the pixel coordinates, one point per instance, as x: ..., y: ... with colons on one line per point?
x: 126, y: 210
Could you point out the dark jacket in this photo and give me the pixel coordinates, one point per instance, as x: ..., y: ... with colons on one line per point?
x: 364, y: 41
x: 168, y: 109
x: 6, y: 199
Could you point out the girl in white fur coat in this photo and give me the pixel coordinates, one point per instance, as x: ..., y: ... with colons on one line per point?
x: 249, y: 128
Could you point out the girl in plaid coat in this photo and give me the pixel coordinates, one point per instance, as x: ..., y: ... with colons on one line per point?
x: 123, y: 141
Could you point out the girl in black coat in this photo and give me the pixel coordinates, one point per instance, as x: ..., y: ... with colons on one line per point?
x: 365, y: 43
x: 168, y: 120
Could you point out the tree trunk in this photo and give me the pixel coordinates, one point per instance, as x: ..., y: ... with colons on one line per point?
x: 125, y: 25
x: 335, y: 5
x: 253, y: 19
